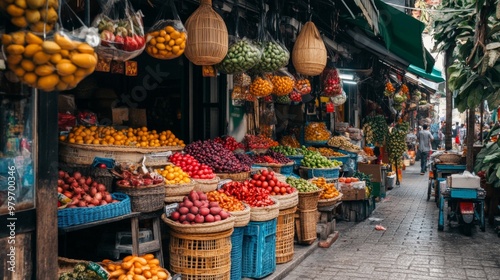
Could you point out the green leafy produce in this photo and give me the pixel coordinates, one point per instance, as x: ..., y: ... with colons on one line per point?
x: 316, y: 160
x: 301, y: 185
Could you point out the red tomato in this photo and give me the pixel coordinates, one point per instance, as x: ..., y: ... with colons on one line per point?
x: 271, y: 183
x: 264, y: 172
x: 264, y: 184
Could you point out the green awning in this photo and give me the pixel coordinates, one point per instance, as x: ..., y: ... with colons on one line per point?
x: 400, y: 33
x: 435, y: 76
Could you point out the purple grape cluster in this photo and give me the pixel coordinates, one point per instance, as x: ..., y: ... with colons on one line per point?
x: 213, y: 154
x: 281, y: 158
x: 245, y: 159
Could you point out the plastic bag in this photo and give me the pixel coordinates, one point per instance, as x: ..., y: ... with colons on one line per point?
x: 238, y: 93
x: 295, y: 96
x: 121, y: 31
x: 339, y: 99
x: 241, y: 56
x: 290, y: 141
x: 267, y: 114
x: 261, y: 86
x: 302, y: 85
x: 39, y: 16
x: 166, y: 39
x: 316, y: 131
x: 284, y: 99
x: 57, y: 62
x: 242, y: 79
x: 283, y: 82
x: 331, y: 84
x: 208, y: 71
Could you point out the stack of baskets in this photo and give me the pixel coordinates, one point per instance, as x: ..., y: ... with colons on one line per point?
x: 201, y: 251
x: 259, y: 241
x: 307, y: 217
x: 285, y: 228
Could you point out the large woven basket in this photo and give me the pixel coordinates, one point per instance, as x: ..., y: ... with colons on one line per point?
x: 144, y: 199
x: 330, y: 201
x: 286, y: 168
x: 242, y: 176
x: 287, y: 201
x: 85, y: 153
x: 309, y: 52
x: 449, y: 158
x: 201, y: 256
x: 206, y: 185
x: 202, y: 228
x: 261, y: 214
x: 309, y: 200
x: 284, y: 235
x: 242, y: 217
x: 208, y: 37
x: 179, y: 189
x: 305, y: 226
x: 173, y: 199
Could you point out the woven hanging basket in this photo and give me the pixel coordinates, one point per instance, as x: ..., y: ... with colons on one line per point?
x: 208, y: 38
x: 309, y: 52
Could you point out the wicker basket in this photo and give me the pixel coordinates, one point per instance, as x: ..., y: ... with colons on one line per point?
x: 285, y: 234
x: 330, y: 201
x: 85, y: 169
x: 203, y: 228
x: 102, y: 176
x: 309, y: 52
x: 448, y: 158
x: 280, y: 177
x: 309, y: 200
x: 305, y: 226
x: 85, y: 153
x: 242, y: 217
x: 206, y: 185
x: 179, y: 189
x: 285, y: 169
x: 242, y: 176
x: 173, y: 199
x: 144, y: 199
x: 66, y: 265
x: 287, y: 201
x: 204, y: 256
x: 261, y: 214
x: 208, y: 38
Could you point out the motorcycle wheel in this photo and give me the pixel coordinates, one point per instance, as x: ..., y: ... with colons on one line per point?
x: 466, y: 228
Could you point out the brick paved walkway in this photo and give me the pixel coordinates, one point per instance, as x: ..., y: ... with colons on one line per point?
x: 410, y: 248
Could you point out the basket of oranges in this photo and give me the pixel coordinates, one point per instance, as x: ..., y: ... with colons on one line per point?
x: 177, y: 182
x: 84, y: 143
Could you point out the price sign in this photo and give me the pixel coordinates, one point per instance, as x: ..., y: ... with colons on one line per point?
x: 131, y: 68
x: 170, y: 208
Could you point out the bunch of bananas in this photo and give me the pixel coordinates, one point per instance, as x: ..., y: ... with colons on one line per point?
x: 396, y: 143
x: 375, y: 130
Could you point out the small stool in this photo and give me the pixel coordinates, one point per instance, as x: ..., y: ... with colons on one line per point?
x: 154, y: 246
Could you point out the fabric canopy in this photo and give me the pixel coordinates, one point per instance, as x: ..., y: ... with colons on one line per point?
x: 435, y: 76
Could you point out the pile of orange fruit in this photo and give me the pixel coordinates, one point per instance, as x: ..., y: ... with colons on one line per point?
x: 174, y: 175
x: 166, y: 43
x: 107, y: 135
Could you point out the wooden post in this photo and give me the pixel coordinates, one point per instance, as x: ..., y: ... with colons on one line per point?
x: 46, y: 193
x: 449, y: 102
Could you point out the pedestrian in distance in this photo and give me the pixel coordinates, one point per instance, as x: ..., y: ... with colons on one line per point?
x: 424, y: 147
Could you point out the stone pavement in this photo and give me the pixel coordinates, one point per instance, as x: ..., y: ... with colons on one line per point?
x: 410, y: 248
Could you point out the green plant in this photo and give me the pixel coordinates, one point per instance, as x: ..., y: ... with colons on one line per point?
x: 488, y: 160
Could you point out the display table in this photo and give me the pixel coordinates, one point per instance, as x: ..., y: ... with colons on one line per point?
x: 153, y: 246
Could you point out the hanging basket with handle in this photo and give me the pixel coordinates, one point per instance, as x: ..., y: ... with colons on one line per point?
x: 309, y: 52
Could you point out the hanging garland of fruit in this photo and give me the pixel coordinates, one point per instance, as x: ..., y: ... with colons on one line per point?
x: 396, y: 143
x: 375, y: 129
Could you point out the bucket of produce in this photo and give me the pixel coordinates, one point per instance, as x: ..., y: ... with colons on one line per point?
x: 316, y: 165
x: 177, y: 182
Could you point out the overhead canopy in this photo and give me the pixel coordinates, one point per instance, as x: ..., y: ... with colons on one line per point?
x: 399, y: 33
x: 435, y: 76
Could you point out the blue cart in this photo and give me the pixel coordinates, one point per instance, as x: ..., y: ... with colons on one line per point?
x: 453, y: 197
x: 438, y: 174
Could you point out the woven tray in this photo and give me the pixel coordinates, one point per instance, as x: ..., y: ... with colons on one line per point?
x: 82, y: 215
x: 242, y: 217
x: 145, y: 199
x: 85, y: 153
x: 179, y: 189
x: 206, y: 185
x: 330, y: 201
x: 448, y: 158
x: 261, y: 214
x: 242, y: 176
x: 287, y: 200
x: 214, y: 227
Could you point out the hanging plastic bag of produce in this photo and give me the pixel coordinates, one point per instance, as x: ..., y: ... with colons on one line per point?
x: 316, y: 132
x: 242, y: 79
x: 339, y: 99
x: 267, y: 114
x: 331, y: 84
x: 283, y: 82
x: 37, y: 15
x: 121, y: 31
x: 295, y: 96
x: 242, y: 54
x: 302, y: 84
x: 166, y: 39
x: 283, y: 99
x: 274, y: 54
x: 261, y: 86
x: 56, y: 61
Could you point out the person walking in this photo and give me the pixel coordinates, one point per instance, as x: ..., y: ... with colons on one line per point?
x: 424, y: 146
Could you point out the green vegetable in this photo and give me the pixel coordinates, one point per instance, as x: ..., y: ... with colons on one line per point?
x: 286, y: 150
x: 241, y: 56
x: 316, y: 160
x: 301, y: 185
x: 274, y: 57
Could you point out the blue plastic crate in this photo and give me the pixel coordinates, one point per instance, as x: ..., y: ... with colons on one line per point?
x: 328, y: 173
x: 259, y: 249
x: 237, y: 252
x: 296, y: 160
x: 352, y: 163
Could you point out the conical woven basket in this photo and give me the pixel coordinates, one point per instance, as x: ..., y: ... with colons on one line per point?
x: 309, y: 52
x: 208, y: 38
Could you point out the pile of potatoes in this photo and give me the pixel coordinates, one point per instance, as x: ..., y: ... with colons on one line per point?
x: 39, y: 15
x: 56, y: 64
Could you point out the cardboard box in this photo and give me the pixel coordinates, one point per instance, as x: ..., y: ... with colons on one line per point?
x: 138, y: 117
x: 351, y: 193
x: 371, y: 169
x: 465, y: 181
x: 119, y: 115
